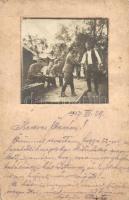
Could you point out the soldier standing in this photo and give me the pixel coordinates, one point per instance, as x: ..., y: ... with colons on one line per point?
x: 91, y: 63
x: 68, y: 70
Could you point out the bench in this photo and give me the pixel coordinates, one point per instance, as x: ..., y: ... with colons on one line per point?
x: 30, y: 91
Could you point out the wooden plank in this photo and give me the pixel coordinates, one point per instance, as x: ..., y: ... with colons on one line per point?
x: 33, y: 85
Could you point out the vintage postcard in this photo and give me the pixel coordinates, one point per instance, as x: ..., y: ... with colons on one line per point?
x: 64, y: 101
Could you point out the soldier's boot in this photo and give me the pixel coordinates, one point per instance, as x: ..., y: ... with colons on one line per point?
x: 63, y: 94
x: 73, y: 94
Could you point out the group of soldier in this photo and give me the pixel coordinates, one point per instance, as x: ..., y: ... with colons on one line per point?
x: 63, y: 67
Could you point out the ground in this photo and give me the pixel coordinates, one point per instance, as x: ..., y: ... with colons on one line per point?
x: 52, y: 95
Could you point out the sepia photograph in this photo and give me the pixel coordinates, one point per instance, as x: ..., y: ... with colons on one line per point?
x: 64, y: 61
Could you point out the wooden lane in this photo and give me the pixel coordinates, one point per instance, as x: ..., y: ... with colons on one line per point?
x: 53, y: 94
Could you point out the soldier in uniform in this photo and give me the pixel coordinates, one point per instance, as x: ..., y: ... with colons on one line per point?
x: 68, y: 70
x: 34, y: 72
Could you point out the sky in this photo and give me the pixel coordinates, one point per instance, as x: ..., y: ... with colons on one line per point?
x: 46, y: 28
